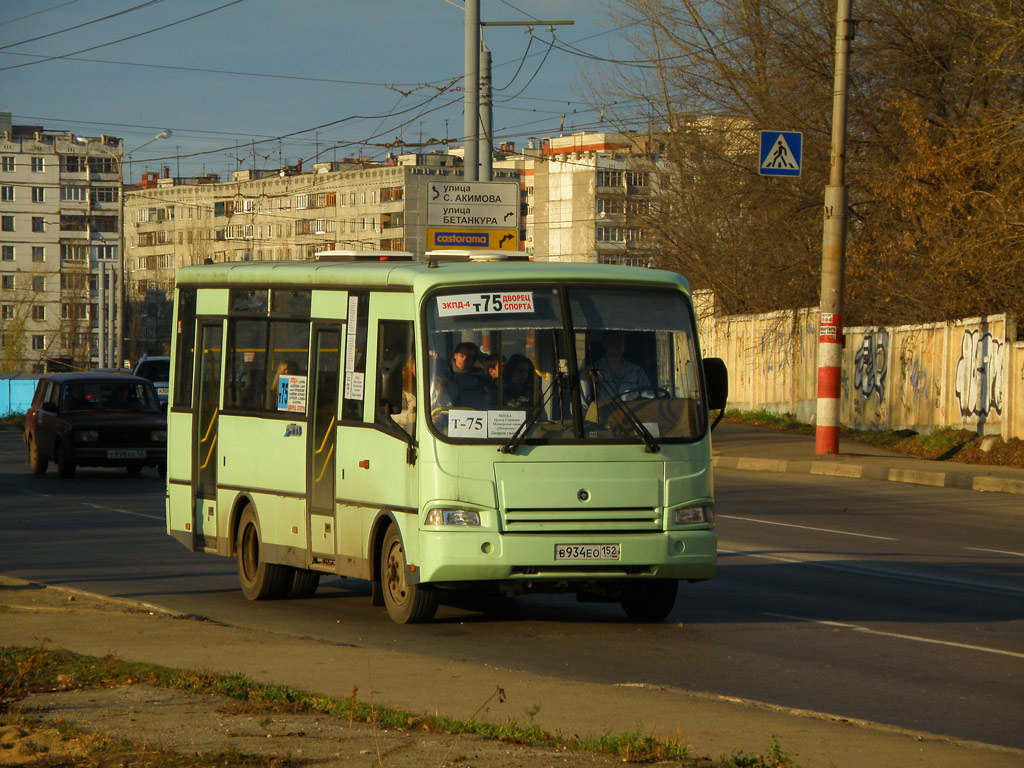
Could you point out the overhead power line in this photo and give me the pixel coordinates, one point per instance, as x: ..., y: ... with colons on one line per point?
x: 83, y: 24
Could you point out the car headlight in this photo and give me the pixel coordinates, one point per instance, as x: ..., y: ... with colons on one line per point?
x: 701, y: 514
x: 441, y: 516
x: 158, y: 435
x: 87, y: 436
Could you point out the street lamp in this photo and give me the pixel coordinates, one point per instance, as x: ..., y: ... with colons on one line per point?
x: 116, y: 352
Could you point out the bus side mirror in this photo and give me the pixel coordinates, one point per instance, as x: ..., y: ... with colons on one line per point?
x: 716, y: 377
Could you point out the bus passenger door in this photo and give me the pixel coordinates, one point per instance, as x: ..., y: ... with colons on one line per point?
x: 320, y: 491
x: 204, y: 442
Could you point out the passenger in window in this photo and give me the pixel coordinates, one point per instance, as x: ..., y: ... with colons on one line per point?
x: 492, y: 367
x: 462, y: 384
x: 612, y: 375
x: 518, y: 383
x: 406, y: 418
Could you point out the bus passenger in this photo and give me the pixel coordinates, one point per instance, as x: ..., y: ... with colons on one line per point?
x: 518, y: 386
x: 462, y: 384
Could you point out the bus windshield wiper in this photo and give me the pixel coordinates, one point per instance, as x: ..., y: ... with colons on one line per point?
x: 510, y: 445
x: 650, y: 441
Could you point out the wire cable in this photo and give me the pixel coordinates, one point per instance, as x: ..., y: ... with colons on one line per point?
x: 83, y: 24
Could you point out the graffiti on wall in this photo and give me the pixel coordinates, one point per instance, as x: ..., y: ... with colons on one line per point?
x: 979, y: 374
x: 869, y: 367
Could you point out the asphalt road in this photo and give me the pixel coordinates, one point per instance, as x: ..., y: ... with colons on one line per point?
x: 897, y: 604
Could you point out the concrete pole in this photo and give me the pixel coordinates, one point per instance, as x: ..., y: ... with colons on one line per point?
x: 486, y: 121
x: 471, y: 100
x: 833, y: 252
x: 101, y: 317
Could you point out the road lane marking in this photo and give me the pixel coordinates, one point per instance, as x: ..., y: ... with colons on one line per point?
x: 889, y: 573
x: 36, y: 493
x: 804, y: 527
x: 122, y: 511
x: 897, y: 635
x: 995, y: 551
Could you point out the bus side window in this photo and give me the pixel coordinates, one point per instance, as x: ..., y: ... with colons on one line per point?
x: 396, y: 375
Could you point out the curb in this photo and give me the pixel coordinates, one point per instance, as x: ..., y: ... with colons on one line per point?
x: 965, y: 481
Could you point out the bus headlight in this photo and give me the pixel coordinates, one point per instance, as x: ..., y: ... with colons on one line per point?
x: 158, y: 435
x: 87, y: 436
x: 441, y: 516
x: 701, y: 514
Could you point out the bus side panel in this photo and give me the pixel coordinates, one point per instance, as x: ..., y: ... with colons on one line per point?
x: 179, y: 477
x: 282, y: 523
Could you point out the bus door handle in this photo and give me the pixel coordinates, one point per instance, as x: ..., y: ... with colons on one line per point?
x: 364, y: 464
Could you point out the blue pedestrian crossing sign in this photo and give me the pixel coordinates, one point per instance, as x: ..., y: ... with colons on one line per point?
x: 781, y: 153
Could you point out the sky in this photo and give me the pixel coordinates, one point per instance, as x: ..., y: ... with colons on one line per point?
x: 261, y: 83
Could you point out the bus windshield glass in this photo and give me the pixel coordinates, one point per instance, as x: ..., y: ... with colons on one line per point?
x: 544, y: 364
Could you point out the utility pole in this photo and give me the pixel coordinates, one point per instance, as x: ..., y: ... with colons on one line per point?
x: 486, y: 123
x: 833, y: 252
x: 471, y: 99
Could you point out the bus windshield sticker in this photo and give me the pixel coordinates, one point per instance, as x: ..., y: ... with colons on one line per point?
x: 483, y: 425
x: 291, y: 394
x: 484, y: 303
x: 351, y: 386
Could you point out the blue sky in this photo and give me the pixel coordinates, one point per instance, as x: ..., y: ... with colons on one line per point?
x: 351, y: 75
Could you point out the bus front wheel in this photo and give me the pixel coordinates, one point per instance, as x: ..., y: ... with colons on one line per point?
x: 650, y: 600
x: 260, y: 580
x: 406, y: 603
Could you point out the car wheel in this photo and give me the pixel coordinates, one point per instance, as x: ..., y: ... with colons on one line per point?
x: 36, y: 460
x: 650, y: 600
x: 65, y: 461
x: 406, y: 603
x: 260, y: 580
x: 304, y: 583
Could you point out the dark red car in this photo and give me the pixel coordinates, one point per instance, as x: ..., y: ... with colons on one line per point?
x: 95, y: 420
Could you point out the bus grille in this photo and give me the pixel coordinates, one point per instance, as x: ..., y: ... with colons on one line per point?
x: 582, y: 520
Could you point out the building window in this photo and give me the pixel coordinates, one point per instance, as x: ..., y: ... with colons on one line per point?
x: 38, y: 195
x: 104, y: 195
x: 8, y: 163
x: 102, y: 165
x: 73, y: 194
x: 38, y: 312
x: 38, y: 224
x: 7, y: 282
x: 74, y: 164
x: 7, y: 223
x: 73, y: 252
x: 609, y: 178
x: 38, y: 340
x: 38, y: 284
x: 103, y: 252
x: 6, y: 312
x: 37, y: 165
x: 8, y: 253
x: 7, y: 194
x: 38, y: 253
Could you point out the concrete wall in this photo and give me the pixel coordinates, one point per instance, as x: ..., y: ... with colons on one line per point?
x: 967, y: 374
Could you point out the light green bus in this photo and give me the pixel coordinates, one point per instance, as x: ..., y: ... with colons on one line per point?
x: 446, y: 422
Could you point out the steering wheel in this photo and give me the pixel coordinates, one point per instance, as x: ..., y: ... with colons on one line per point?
x: 657, y: 393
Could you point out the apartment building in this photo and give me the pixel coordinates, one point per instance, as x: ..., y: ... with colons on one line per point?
x: 60, y: 197
x: 588, y: 195
x: 268, y: 216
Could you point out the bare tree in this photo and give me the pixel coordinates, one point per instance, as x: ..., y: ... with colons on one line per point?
x: 934, y: 150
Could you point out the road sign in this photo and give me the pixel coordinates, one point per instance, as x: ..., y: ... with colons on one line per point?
x: 473, y: 214
x: 483, y: 239
x: 781, y: 153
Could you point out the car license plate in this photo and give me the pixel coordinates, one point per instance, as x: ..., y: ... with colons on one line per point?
x: 124, y: 453
x: 161, y: 391
x: 586, y: 551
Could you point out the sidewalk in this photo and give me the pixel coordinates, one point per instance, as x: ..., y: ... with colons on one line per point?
x: 761, y: 449
x: 54, y: 617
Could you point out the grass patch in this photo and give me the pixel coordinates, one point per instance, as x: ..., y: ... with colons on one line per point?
x: 12, y: 421
x: 27, y: 670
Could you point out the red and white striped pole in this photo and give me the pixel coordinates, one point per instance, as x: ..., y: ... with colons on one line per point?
x: 833, y: 252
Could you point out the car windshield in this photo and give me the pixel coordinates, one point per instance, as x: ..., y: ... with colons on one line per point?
x: 154, y: 370
x: 508, y: 365
x: 109, y: 396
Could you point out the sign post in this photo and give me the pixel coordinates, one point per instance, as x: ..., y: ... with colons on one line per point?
x: 481, y: 215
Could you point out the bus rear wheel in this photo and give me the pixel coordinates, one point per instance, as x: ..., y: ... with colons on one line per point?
x: 260, y: 580
x: 304, y: 583
x: 650, y: 600
x: 406, y: 603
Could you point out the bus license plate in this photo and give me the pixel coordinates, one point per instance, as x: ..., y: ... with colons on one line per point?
x: 126, y: 454
x: 586, y: 551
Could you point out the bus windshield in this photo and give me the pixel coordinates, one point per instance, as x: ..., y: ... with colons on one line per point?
x: 553, y: 364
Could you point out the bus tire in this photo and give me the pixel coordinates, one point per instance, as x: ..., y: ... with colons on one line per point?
x: 259, y: 579
x: 650, y: 600
x: 304, y: 583
x: 36, y: 459
x: 406, y: 603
